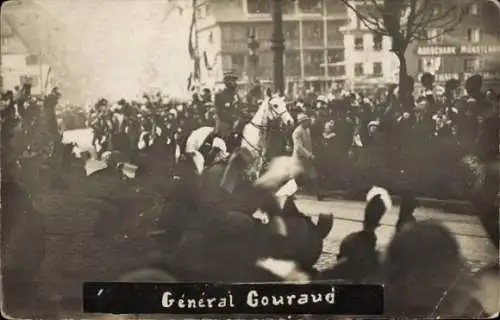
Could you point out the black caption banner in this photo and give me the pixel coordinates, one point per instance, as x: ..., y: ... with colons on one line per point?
x: 212, y: 298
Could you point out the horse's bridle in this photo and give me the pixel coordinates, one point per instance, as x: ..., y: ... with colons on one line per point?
x: 278, y: 115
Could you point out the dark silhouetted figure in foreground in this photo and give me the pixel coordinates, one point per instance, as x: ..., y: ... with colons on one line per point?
x: 425, y: 275
x: 358, y: 258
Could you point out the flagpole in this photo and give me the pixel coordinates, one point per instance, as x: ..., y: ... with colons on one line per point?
x: 47, y: 78
x: 278, y: 46
x: 197, y: 48
x: 325, y: 41
x: 42, y: 89
x: 301, y: 42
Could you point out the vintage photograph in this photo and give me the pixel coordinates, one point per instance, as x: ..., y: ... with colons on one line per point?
x: 251, y: 141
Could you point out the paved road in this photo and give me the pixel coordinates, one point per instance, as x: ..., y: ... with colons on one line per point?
x: 474, y: 244
x: 75, y: 255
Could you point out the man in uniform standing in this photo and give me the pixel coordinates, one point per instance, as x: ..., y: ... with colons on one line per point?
x: 226, y: 102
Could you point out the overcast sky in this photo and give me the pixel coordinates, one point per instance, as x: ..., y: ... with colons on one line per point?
x: 120, y: 48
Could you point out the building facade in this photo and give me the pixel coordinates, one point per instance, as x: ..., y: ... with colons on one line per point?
x: 371, y: 63
x: 18, y: 65
x: 314, y: 45
x: 472, y: 47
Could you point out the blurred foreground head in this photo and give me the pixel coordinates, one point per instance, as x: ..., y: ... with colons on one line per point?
x: 474, y: 84
x: 424, y: 269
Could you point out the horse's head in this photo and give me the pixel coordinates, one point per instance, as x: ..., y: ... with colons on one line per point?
x: 277, y: 110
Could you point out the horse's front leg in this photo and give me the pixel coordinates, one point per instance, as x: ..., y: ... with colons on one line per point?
x: 237, y: 164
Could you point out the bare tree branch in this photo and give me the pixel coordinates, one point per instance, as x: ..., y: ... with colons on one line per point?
x: 387, y: 17
x: 444, y: 26
x: 369, y: 20
x: 411, y: 20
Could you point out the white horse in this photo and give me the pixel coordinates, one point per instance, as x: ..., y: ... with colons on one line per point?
x: 254, y: 135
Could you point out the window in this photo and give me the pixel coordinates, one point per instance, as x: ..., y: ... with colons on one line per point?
x: 314, y: 63
x: 473, y: 35
x: 258, y: 6
x: 470, y: 65
x: 433, y: 36
x: 288, y: 7
x: 421, y: 65
x: 358, y: 43
x: 377, y: 68
x: 337, y: 71
x: 237, y: 61
x: 31, y: 60
x: 291, y: 31
x: 377, y: 42
x: 292, y: 63
x: 335, y: 56
x: 313, y: 30
x: 358, y: 69
x: 309, y: 6
x: 473, y: 9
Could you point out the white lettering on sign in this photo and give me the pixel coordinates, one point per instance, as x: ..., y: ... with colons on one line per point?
x: 436, y: 51
x: 480, y: 49
x: 486, y: 75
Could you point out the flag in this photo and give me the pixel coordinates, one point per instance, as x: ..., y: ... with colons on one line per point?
x: 191, y: 48
x: 195, y: 75
x: 207, y: 64
x: 190, y: 80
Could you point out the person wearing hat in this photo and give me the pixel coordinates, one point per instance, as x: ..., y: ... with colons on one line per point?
x: 225, y: 102
x: 303, y: 151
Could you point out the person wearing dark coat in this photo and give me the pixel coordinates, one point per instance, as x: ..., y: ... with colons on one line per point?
x: 426, y: 276
x: 358, y: 259
x: 49, y: 106
x: 225, y: 103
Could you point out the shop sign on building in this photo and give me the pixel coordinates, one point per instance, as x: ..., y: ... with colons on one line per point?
x: 491, y: 76
x: 437, y: 50
x: 456, y: 50
x: 443, y: 77
x: 480, y: 49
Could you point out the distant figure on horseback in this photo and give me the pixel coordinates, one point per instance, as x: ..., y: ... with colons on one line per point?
x: 226, y: 104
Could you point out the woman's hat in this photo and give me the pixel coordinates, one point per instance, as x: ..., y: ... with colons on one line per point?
x: 230, y: 76
x: 302, y: 117
x: 373, y: 124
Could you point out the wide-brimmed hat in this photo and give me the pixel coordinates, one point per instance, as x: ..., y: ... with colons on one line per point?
x: 230, y: 75
x: 373, y: 124
x: 302, y: 117
x: 322, y: 99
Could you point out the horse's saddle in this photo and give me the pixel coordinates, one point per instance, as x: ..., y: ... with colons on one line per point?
x: 236, y: 136
x: 206, y: 148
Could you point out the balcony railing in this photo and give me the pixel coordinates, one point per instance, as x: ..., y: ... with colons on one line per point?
x: 335, y: 42
x: 313, y: 42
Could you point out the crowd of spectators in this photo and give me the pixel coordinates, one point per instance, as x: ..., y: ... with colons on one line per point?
x: 358, y: 139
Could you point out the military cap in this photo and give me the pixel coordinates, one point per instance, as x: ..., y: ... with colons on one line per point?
x: 230, y: 75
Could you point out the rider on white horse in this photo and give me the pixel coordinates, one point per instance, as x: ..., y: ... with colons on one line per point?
x: 226, y: 103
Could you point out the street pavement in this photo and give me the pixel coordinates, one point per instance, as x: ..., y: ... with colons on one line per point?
x: 475, y: 246
x: 74, y: 254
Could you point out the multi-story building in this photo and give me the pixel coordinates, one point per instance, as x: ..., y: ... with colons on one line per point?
x: 370, y: 63
x: 18, y: 63
x: 473, y: 46
x: 314, y: 46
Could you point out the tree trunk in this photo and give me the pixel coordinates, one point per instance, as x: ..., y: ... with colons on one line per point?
x: 404, y: 85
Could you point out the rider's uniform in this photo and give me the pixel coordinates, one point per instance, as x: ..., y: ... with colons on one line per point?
x: 226, y: 104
